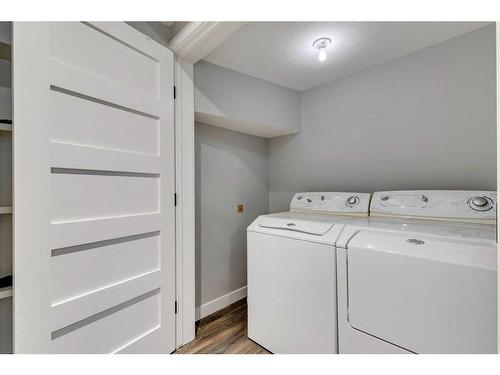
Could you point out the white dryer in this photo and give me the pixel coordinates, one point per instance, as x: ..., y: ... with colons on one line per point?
x: 407, y: 285
x: 292, y: 302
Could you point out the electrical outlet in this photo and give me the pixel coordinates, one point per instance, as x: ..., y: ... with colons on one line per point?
x: 240, y: 208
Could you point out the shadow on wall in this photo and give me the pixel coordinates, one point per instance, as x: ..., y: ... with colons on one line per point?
x: 238, y: 254
x: 197, y: 194
x: 230, y: 168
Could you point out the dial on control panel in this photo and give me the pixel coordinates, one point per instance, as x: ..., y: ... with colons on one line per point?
x: 480, y: 203
x: 351, y: 201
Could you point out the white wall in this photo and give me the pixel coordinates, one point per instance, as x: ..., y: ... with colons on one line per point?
x: 422, y: 121
x: 230, y: 168
x: 242, y: 103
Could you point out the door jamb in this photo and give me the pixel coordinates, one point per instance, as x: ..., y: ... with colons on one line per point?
x: 185, y: 200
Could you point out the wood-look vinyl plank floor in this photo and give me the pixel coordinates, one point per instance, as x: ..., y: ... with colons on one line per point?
x: 223, y: 332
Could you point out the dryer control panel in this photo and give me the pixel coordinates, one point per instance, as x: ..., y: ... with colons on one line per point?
x: 332, y: 202
x: 436, y: 204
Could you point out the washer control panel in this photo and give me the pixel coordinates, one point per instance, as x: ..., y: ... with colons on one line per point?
x: 441, y: 204
x: 332, y: 202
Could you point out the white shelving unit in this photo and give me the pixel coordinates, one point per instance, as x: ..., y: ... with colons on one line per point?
x: 5, y: 127
x: 6, y: 293
x: 5, y: 210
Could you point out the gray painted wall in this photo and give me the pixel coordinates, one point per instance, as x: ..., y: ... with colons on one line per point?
x: 423, y: 121
x: 230, y: 168
x: 155, y: 30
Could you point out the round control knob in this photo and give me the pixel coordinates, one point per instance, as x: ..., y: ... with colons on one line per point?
x: 352, y: 201
x: 480, y: 203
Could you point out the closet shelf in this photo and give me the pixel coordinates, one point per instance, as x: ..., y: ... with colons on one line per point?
x: 5, y: 210
x: 5, y: 127
x: 5, y: 292
x: 5, y: 51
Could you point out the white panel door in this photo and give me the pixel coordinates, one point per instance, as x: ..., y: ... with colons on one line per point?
x: 94, y: 215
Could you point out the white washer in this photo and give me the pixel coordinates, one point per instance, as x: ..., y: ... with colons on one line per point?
x: 407, y: 285
x: 292, y: 302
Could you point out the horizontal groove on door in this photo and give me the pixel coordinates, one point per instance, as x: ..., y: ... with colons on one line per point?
x: 86, y: 197
x: 93, y: 318
x: 131, y: 346
x: 98, y: 268
x: 78, y: 307
x: 118, y: 40
x: 100, y: 101
x: 77, y: 121
x: 104, y: 57
x: 95, y: 172
x: 71, y: 156
x: 72, y: 233
x: 97, y: 244
x: 81, y: 82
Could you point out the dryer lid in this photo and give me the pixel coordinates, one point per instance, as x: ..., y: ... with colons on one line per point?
x: 469, y: 252
x: 297, y: 225
x: 422, y: 293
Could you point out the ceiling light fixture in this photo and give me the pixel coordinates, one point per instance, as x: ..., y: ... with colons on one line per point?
x: 321, y: 45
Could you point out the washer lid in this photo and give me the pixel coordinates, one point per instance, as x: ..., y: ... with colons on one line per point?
x: 297, y: 225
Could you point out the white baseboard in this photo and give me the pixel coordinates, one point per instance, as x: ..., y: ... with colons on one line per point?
x: 221, y: 302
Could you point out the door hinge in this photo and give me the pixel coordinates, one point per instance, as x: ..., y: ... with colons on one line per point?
x: 175, y: 92
x: 175, y: 307
x: 175, y: 199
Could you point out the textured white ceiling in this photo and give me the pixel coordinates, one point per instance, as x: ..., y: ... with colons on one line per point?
x: 282, y: 52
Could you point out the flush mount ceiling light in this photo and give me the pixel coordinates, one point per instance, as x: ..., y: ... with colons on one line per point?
x: 321, y: 45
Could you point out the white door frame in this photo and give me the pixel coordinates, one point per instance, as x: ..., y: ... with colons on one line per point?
x: 498, y: 153
x: 191, y: 44
x: 185, y: 184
